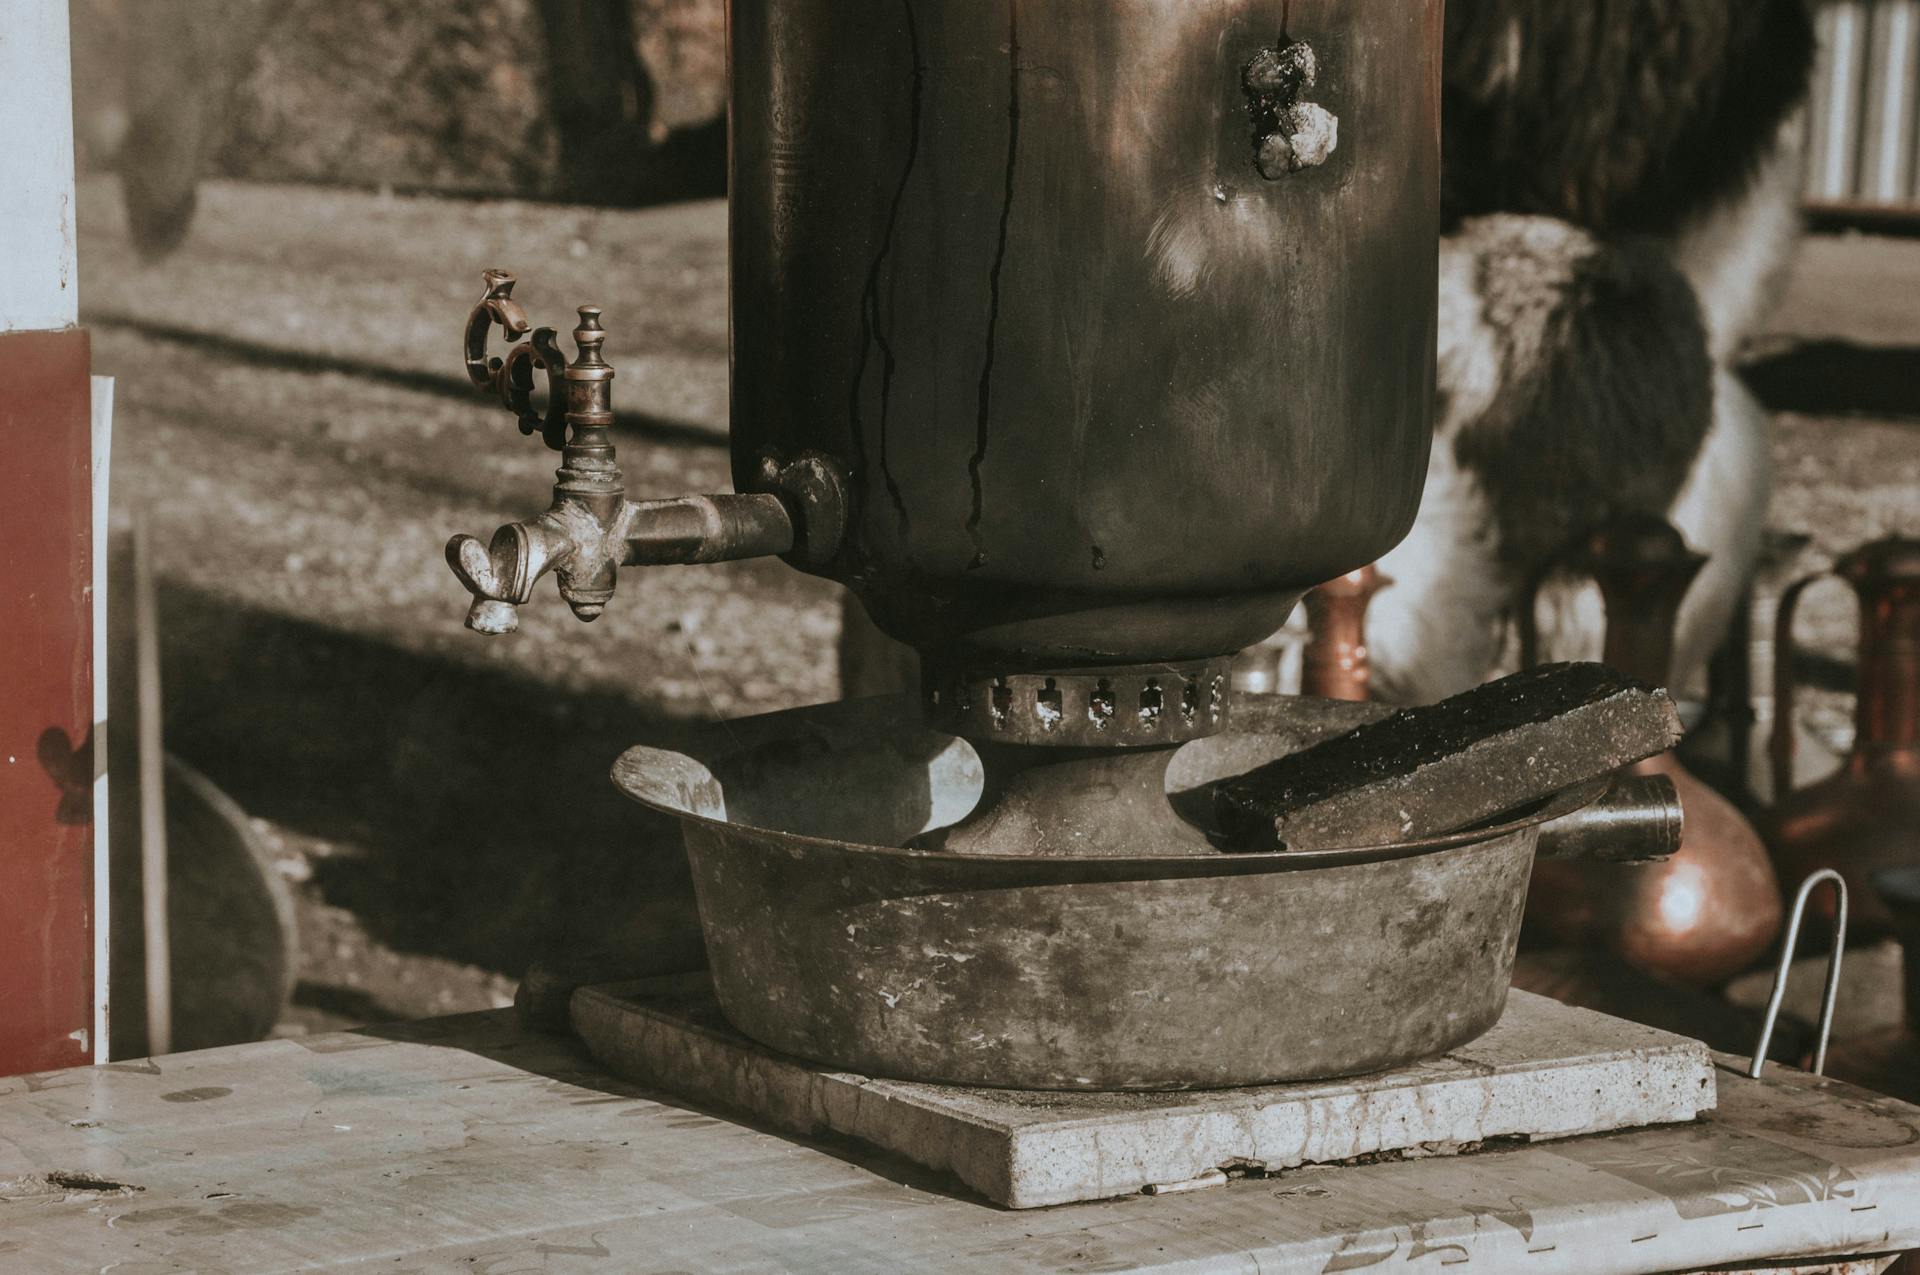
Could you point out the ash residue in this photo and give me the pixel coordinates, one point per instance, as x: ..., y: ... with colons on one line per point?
x: 1289, y: 134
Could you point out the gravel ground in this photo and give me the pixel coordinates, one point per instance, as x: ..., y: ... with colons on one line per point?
x: 292, y: 417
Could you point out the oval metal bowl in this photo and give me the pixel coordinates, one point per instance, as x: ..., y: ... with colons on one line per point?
x: 1151, y: 972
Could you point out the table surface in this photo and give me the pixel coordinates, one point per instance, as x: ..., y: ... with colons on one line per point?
x: 474, y: 1144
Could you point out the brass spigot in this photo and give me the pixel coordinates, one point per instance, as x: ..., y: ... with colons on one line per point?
x: 591, y: 529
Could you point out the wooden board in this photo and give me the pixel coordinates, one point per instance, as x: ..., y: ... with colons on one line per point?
x: 467, y: 1144
x: 1546, y: 1070
x: 47, y: 763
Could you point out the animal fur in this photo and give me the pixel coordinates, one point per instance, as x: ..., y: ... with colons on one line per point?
x: 1621, y: 185
x: 1576, y: 382
x: 1620, y: 116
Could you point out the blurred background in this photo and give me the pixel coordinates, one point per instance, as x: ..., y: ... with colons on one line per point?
x: 285, y: 207
x: 284, y: 212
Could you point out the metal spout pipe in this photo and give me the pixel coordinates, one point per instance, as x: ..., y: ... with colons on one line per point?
x: 689, y: 529
x: 1638, y: 820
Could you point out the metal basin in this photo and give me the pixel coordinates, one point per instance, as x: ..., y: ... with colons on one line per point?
x: 1148, y: 972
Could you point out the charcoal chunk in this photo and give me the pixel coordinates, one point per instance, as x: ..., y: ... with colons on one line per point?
x: 1442, y: 767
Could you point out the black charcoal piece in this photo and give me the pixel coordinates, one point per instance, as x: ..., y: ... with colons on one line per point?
x: 1436, y: 769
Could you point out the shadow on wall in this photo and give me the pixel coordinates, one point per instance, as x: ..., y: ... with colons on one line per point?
x: 486, y: 828
x: 594, y: 101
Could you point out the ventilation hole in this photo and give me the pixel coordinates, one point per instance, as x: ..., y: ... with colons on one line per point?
x: 1151, y: 703
x: 1100, y: 705
x: 1190, y: 700
x: 1001, y: 704
x: 1046, y: 703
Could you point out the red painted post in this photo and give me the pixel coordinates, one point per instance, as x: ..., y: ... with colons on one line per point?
x: 47, y: 1010
x: 46, y: 703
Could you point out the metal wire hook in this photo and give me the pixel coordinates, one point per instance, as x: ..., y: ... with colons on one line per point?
x: 1788, y: 946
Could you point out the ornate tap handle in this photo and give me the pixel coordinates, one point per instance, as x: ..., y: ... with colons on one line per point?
x: 591, y: 529
x: 511, y: 378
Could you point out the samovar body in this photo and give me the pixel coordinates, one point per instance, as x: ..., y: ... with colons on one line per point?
x: 1108, y: 381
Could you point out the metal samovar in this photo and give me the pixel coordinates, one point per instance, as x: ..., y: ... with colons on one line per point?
x: 1079, y: 339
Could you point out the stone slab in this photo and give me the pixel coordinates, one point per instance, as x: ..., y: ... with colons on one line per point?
x: 1546, y: 1070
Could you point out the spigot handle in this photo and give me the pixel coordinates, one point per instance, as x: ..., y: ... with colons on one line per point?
x: 496, y: 305
x: 469, y: 560
x: 511, y: 377
x: 495, y: 575
x: 493, y: 618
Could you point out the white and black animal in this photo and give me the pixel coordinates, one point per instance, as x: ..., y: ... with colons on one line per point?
x: 1621, y: 185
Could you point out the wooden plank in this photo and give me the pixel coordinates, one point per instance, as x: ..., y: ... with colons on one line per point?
x: 46, y: 703
x: 467, y: 1144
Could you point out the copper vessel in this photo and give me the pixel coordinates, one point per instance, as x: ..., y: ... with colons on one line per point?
x: 1866, y: 815
x: 1709, y: 911
x: 1728, y: 746
x: 1335, y: 663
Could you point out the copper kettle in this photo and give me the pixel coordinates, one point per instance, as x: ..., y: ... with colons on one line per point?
x: 1335, y: 664
x: 1709, y: 911
x: 1866, y: 815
